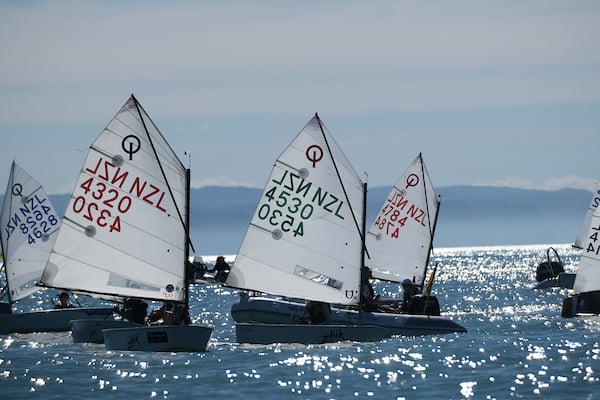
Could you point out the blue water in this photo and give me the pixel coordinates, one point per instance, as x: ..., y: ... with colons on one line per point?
x: 517, y: 346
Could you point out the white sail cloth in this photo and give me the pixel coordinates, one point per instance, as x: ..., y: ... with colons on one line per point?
x: 583, y: 232
x: 303, y: 240
x: 123, y: 232
x: 28, y: 226
x: 400, y: 238
x: 588, y: 274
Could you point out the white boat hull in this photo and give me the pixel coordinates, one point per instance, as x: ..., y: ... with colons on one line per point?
x: 56, y: 320
x: 90, y: 330
x: 272, y: 311
x: 563, y: 280
x: 308, y: 334
x: 158, y: 338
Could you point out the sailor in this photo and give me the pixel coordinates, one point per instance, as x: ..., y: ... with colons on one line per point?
x: 222, y: 269
x: 369, y: 299
x: 134, y: 310
x: 63, y: 301
x: 170, y: 313
x: 410, y: 290
x: 316, y: 312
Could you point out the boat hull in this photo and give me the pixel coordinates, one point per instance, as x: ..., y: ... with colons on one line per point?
x: 90, y: 330
x: 563, y: 280
x: 170, y: 338
x: 49, y: 320
x: 307, y: 334
x: 271, y: 311
x: 581, y: 304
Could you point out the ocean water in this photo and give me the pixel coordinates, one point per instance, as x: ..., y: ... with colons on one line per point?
x: 517, y: 346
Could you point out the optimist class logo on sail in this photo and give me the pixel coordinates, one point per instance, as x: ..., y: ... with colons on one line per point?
x: 108, y: 191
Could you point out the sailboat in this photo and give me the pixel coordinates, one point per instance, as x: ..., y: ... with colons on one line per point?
x: 396, y: 250
x: 125, y: 233
x: 586, y: 299
x: 28, y: 228
x: 551, y: 273
x: 400, y: 240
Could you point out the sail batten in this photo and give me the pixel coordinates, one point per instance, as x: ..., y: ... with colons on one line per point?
x: 28, y: 227
x: 302, y: 241
x: 399, y: 241
x: 124, y: 234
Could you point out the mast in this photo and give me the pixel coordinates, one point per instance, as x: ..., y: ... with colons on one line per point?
x: 362, y: 251
x: 428, y: 219
x: 4, y: 261
x: 186, y: 281
x: 439, y: 203
x: 7, y: 288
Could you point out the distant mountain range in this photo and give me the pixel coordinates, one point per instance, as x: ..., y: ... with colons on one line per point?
x: 469, y: 215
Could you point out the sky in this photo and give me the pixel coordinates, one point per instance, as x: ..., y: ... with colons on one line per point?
x: 503, y: 93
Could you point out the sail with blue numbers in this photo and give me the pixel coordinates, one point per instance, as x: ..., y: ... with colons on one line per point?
x: 29, y: 225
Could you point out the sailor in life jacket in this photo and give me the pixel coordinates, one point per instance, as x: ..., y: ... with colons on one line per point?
x: 316, y: 312
x: 63, y: 301
x: 409, y: 291
x: 170, y: 313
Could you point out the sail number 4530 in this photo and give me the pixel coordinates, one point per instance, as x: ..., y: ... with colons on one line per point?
x: 292, y: 207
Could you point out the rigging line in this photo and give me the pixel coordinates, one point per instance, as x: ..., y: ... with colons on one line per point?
x: 362, y: 237
x: 162, y: 171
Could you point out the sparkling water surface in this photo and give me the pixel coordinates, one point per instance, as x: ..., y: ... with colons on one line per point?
x: 517, y: 346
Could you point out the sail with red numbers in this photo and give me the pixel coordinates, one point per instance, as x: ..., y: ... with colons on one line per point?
x: 28, y: 229
x: 304, y: 239
x: 123, y: 232
x: 401, y: 236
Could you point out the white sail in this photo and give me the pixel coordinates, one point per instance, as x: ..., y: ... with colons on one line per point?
x: 582, y: 235
x: 123, y: 233
x: 588, y: 274
x: 29, y: 226
x: 303, y: 240
x: 400, y: 238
